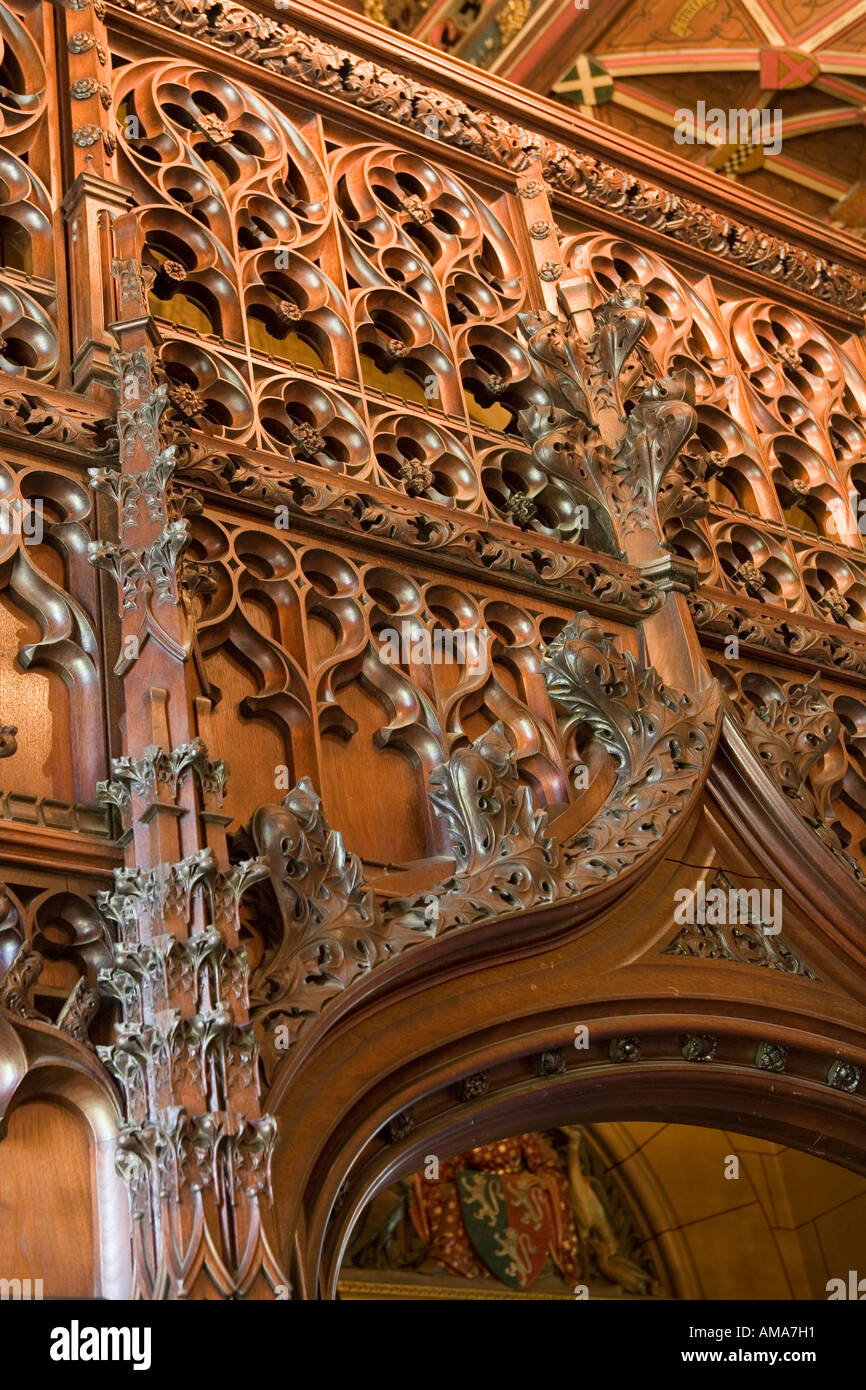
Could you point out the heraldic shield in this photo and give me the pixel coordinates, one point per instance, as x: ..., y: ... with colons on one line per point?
x: 510, y: 1222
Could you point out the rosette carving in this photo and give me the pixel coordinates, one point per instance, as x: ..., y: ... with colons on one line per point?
x: 319, y: 426
x: 521, y: 491
x: 299, y: 299
x: 757, y: 563
x: 189, y: 269
x: 496, y: 373
x: 421, y: 458
x: 395, y: 333
x: 797, y: 374
x: 836, y: 585
x: 205, y: 390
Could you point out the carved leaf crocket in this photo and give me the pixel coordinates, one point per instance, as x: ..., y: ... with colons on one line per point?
x: 505, y: 858
x: 797, y: 736
x: 660, y: 741
x: 615, y: 427
x: 329, y: 930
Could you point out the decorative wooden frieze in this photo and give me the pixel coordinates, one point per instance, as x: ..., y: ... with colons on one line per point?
x: 316, y: 502
x: 779, y: 633
x: 52, y: 417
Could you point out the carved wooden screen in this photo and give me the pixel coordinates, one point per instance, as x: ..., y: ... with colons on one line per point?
x: 403, y: 470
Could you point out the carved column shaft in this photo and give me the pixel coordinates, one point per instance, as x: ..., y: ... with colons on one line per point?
x: 196, y: 1150
x: 93, y: 195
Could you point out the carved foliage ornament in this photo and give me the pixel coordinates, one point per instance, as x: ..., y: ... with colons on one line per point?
x: 332, y: 929
x: 622, y: 425
x: 150, y: 434
x: 186, y: 1058
x: 747, y: 943
x: 659, y: 739
x: 793, y: 730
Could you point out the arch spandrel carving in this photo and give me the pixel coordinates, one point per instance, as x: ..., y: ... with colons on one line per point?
x: 424, y: 507
x: 507, y: 856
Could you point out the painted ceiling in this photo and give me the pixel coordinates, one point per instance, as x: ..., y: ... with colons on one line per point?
x: 641, y: 65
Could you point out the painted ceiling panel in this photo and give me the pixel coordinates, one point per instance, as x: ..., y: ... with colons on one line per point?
x: 670, y: 23
x: 798, y: 67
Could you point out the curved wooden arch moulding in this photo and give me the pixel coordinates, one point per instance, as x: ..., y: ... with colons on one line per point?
x: 364, y: 1113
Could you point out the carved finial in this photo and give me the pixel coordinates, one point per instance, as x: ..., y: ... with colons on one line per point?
x: 611, y: 436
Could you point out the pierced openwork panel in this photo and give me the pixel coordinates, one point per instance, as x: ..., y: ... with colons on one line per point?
x: 774, y: 511
x: 31, y: 334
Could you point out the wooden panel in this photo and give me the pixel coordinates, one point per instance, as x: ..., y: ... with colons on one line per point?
x: 36, y: 702
x: 46, y: 1201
